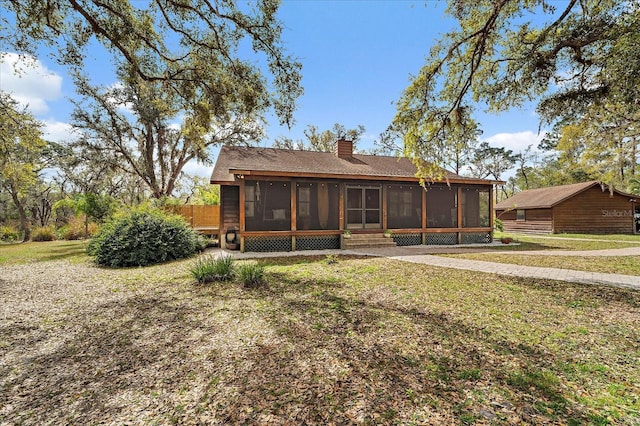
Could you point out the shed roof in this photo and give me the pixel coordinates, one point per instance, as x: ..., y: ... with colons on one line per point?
x: 248, y: 161
x: 546, y: 197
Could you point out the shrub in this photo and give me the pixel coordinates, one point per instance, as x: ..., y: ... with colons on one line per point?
x: 251, y: 275
x: 9, y: 234
x: 144, y: 236
x: 43, y: 233
x: 210, y: 268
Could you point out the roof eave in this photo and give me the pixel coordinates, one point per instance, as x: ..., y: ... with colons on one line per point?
x: 267, y: 173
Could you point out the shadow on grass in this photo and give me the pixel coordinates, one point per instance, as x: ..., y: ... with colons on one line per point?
x: 321, y: 355
x: 67, y: 251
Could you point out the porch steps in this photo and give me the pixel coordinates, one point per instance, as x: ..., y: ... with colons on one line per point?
x: 367, y: 241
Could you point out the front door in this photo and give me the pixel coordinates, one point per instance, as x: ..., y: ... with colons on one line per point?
x: 363, y: 207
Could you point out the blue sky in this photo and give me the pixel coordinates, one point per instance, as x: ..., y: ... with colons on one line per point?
x: 357, y: 58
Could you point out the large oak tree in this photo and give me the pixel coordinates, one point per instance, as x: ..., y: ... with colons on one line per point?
x: 578, y: 59
x: 21, y: 149
x: 192, y: 74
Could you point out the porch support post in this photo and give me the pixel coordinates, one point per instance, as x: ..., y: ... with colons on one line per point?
x: 242, y: 221
x: 424, y: 214
x: 242, y: 200
x: 341, y: 207
x: 384, y: 206
x: 294, y: 212
x: 459, y: 214
x: 222, y: 233
x: 491, y: 212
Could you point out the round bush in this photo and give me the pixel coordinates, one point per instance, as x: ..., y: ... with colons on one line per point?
x: 143, y: 237
x: 9, y: 234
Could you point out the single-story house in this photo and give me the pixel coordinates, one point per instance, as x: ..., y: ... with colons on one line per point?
x: 282, y: 200
x: 588, y: 207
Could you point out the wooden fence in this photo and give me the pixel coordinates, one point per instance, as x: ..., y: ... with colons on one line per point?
x: 201, y: 218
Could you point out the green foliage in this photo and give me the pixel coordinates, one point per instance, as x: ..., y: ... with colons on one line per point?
x: 498, y: 225
x: 251, y: 274
x: 9, y: 234
x: 193, y: 48
x: 21, y: 148
x: 210, y: 268
x: 43, y: 233
x: 76, y: 229
x: 322, y: 141
x: 96, y: 206
x: 141, y: 237
x: 176, y: 62
x: 207, y: 194
x: 579, y: 59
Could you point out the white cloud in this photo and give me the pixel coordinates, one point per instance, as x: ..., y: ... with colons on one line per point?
x: 193, y: 168
x: 29, y: 81
x: 57, y: 131
x: 517, y: 142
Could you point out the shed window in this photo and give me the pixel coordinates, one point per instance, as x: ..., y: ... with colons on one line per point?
x: 520, y: 214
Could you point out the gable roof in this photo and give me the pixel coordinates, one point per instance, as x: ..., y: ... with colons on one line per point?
x: 248, y: 161
x: 546, y: 197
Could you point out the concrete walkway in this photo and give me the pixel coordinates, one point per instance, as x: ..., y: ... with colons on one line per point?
x: 417, y: 254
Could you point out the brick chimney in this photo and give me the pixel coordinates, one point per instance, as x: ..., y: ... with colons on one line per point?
x: 344, y: 149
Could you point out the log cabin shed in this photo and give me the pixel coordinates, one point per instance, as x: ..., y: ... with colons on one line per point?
x: 283, y: 200
x: 588, y: 207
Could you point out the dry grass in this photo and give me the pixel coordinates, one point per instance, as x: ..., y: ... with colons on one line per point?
x: 360, y: 341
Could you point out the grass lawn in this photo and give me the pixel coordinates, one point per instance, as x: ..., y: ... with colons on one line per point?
x: 352, y: 341
x: 560, y: 242
x: 35, y: 252
x: 626, y: 265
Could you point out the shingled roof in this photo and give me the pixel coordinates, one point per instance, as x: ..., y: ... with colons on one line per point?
x: 544, y: 197
x: 248, y: 161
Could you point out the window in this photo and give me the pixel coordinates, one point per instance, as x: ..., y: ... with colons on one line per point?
x: 520, y: 215
x: 249, y: 201
x: 304, y: 201
x: 404, y: 206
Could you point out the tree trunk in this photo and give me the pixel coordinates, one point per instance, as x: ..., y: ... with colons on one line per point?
x: 24, y: 221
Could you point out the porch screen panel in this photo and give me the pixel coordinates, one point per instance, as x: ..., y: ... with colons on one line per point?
x: 442, y: 207
x: 267, y: 206
x: 475, y: 207
x: 354, y: 205
x: 308, y: 209
x: 404, y: 206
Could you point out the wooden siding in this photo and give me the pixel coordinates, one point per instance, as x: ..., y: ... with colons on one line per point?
x: 230, y: 205
x: 594, y: 211
x: 537, y: 221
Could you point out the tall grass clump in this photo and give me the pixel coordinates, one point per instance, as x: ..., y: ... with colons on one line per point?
x: 209, y: 269
x: 43, y: 233
x: 251, y: 275
x: 143, y: 236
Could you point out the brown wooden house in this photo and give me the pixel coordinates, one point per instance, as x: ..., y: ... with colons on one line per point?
x: 282, y: 200
x: 587, y: 207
